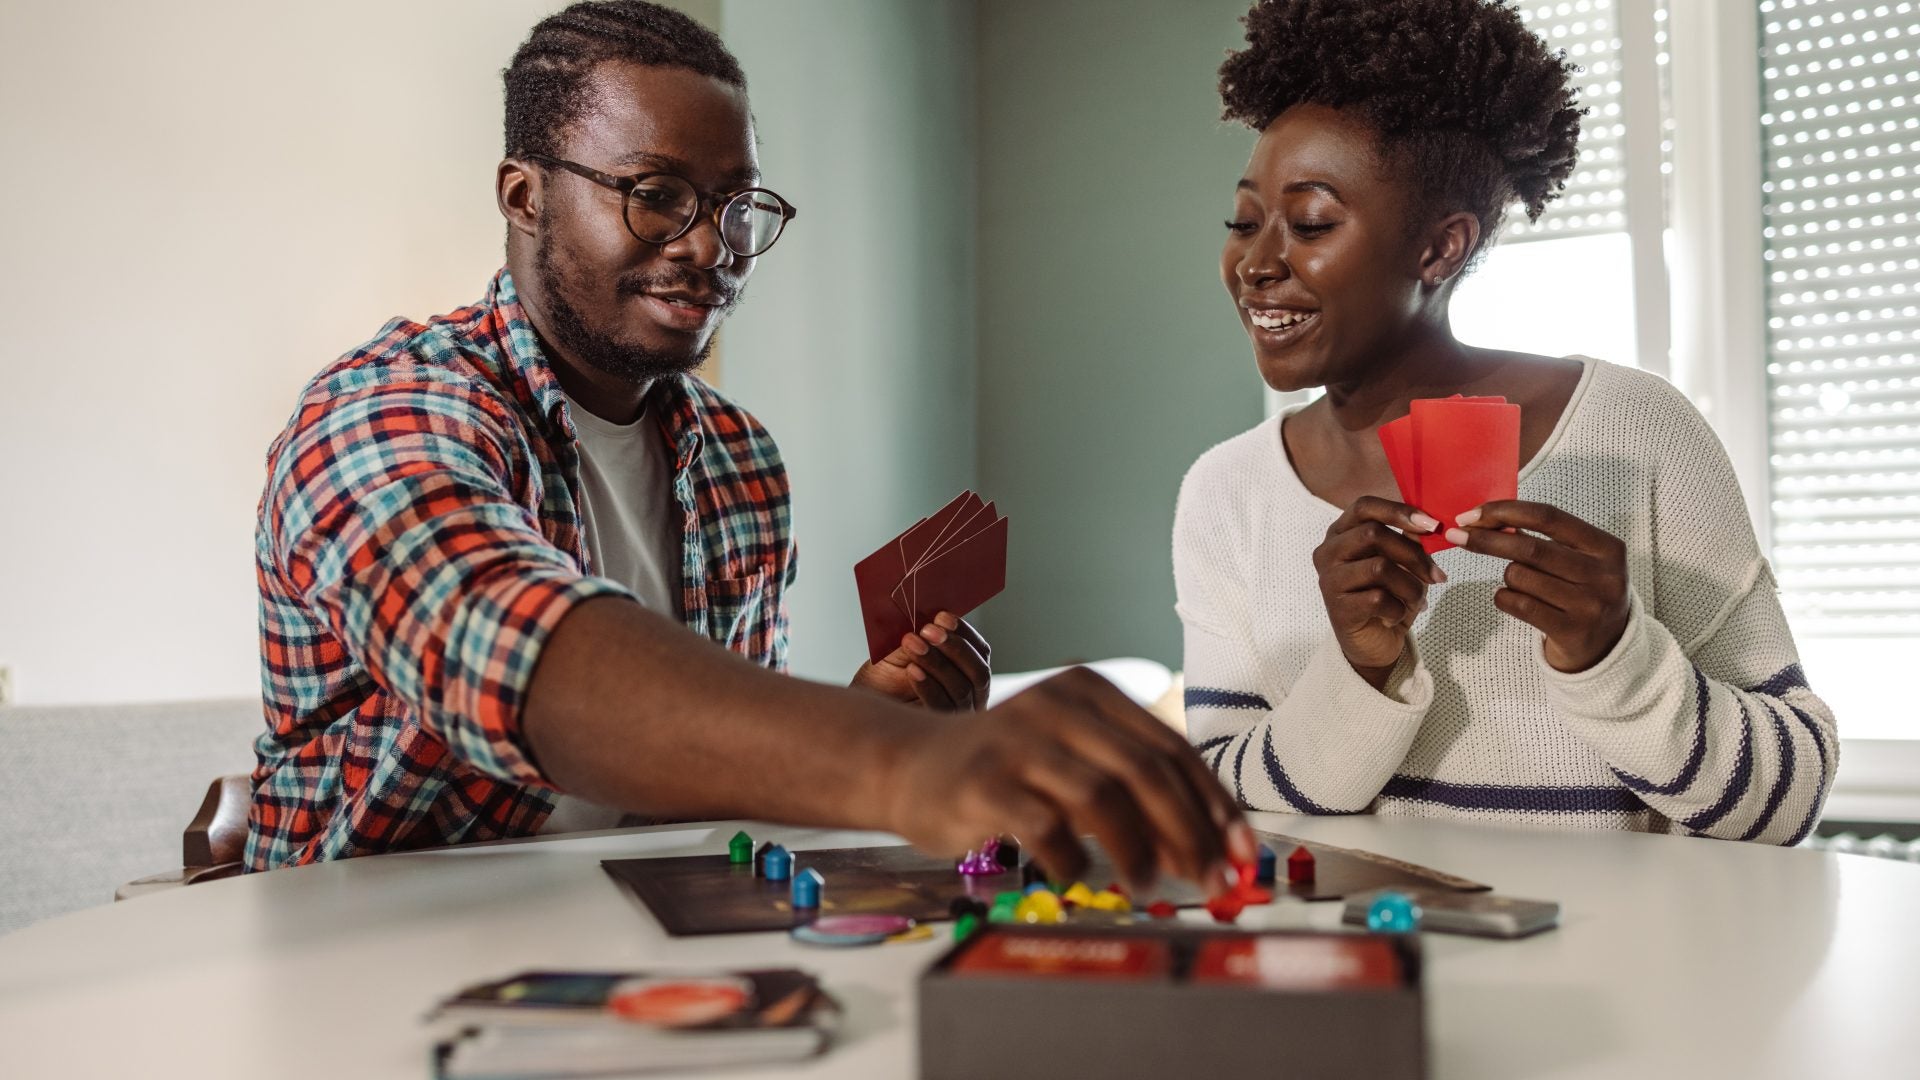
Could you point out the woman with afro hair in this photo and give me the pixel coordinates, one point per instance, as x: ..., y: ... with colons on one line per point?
x: 1604, y: 652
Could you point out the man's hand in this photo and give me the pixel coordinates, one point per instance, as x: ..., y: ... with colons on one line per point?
x: 1069, y: 757
x: 946, y: 666
x: 1374, y: 581
x: 1570, y: 582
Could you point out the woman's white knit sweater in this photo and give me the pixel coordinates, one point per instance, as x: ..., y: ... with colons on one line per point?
x: 1698, y: 721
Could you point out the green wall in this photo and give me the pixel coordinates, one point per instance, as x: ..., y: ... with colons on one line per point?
x: 1110, y: 357
x: 855, y: 345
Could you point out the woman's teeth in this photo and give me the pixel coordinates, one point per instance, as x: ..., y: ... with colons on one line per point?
x: 1278, y: 320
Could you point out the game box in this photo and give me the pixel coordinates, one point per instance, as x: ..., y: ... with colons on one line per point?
x: 1015, y: 1002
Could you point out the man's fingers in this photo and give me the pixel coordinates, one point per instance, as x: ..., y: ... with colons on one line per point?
x: 1201, y: 839
x: 965, y: 629
x: 1100, y: 803
x: 961, y: 654
x: 1164, y: 793
x: 1044, y: 830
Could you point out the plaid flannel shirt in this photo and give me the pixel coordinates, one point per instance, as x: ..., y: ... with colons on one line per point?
x: 420, y: 537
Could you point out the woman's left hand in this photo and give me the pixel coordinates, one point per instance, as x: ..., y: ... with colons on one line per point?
x: 1569, y: 582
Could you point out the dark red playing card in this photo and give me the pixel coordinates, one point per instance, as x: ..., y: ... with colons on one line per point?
x: 959, y: 578
x: 1313, y: 963
x: 952, y: 561
x: 1449, y: 455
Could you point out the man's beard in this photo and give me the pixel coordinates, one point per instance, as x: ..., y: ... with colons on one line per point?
x: 632, y: 362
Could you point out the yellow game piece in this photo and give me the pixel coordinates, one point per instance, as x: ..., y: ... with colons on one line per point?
x: 1040, y: 907
x: 1110, y: 901
x: 1079, y: 894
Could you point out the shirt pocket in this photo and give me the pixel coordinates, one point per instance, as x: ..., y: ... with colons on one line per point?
x: 740, y: 614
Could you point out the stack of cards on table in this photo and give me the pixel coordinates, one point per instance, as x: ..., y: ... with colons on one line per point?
x: 555, y: 1024
x: 1450, y: 455
x: 954, y: 561
x: 1015, y: 1002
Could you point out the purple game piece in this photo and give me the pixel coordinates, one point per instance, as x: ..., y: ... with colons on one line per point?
x: 982, y: 863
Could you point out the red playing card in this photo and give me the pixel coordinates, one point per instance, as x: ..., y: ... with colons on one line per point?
x: 1467, y: 453
x: 1070, y: 955
x: 915, y: 543
x: 1397, y: 439
x: 960, y: 578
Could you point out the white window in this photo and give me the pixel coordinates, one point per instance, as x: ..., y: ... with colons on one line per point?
x: 1840, y: 127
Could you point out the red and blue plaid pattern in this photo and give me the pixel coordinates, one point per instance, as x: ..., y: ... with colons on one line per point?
x: 420, y: 537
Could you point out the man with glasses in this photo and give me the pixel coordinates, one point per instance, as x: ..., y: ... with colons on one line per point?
x: 522, y: 571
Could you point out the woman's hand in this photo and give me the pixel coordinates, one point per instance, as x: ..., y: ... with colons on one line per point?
x: 1570, y: 582
x: 1374, y: 581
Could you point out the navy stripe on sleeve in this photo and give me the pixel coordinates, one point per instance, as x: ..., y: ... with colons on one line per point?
x: 1736, y: 784
x: 1209, y: 697
x: 1521, y: 797
x: 1283, y: 784
x: 1699, y: 754
x: 1780, y: 783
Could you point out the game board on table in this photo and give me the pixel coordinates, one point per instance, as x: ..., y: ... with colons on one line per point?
x: 708, y: 894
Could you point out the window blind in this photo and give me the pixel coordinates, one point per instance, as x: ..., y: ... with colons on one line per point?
x: 1595, y: 200
x: 1840, y: 83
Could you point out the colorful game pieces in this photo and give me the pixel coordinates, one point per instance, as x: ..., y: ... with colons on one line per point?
x: 806, y: 889
x: 1300, y: 867
x: 1266, y: 869
x: 1393, y: 913
x: 1040, y: 906
x: 851, y: 930
x: 1078, y: 895
x: 963, y: 906
x: 1162, y: 909
x: 1007, y: 853
x: 1004, y: 906
x: 740, y: 850
x: 1108, y: 900
x: 778, y: 864
x: 983, y: 862
x: 1246, y: 886
x: 965, y: 925
x: 1226, y: 907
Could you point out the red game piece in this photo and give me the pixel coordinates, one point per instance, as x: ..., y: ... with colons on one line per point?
x: 1161, y: 909
x: 1226, y: 907
x: 1117, y: 888
x: 1246, y: 886
x: 1300, y: 867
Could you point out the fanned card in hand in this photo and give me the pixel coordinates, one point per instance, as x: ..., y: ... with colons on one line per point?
x: 954, y: 561
x: 1449, y: 455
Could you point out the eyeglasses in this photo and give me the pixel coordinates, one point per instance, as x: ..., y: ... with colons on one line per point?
x: 661, y: 207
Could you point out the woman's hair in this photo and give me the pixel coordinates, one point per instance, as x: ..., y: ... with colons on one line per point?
x: 1467, y: 102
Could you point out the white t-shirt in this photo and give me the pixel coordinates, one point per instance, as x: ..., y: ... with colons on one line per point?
x: 633, y: 530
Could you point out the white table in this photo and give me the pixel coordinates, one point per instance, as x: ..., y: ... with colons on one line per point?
x: 1675, y: 957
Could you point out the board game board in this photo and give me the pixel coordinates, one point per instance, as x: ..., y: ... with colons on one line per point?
x: 704, y: 894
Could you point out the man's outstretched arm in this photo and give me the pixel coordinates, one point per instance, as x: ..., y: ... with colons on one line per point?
x: 630, y: 709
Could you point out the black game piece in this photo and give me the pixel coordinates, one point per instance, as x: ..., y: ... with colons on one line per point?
x: 967, y: 905
x: 760, y: 858
x: 1031, y: 873
x: 1008, y: 853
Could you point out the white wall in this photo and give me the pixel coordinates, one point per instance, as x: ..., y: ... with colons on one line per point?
x: 206, y: 202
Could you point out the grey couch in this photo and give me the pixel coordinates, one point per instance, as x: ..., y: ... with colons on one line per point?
x: 94, y: 796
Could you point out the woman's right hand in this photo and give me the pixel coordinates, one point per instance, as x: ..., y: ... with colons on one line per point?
x: 1374, y: 581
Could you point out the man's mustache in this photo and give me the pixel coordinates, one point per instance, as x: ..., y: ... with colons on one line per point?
x: 688, y: 280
